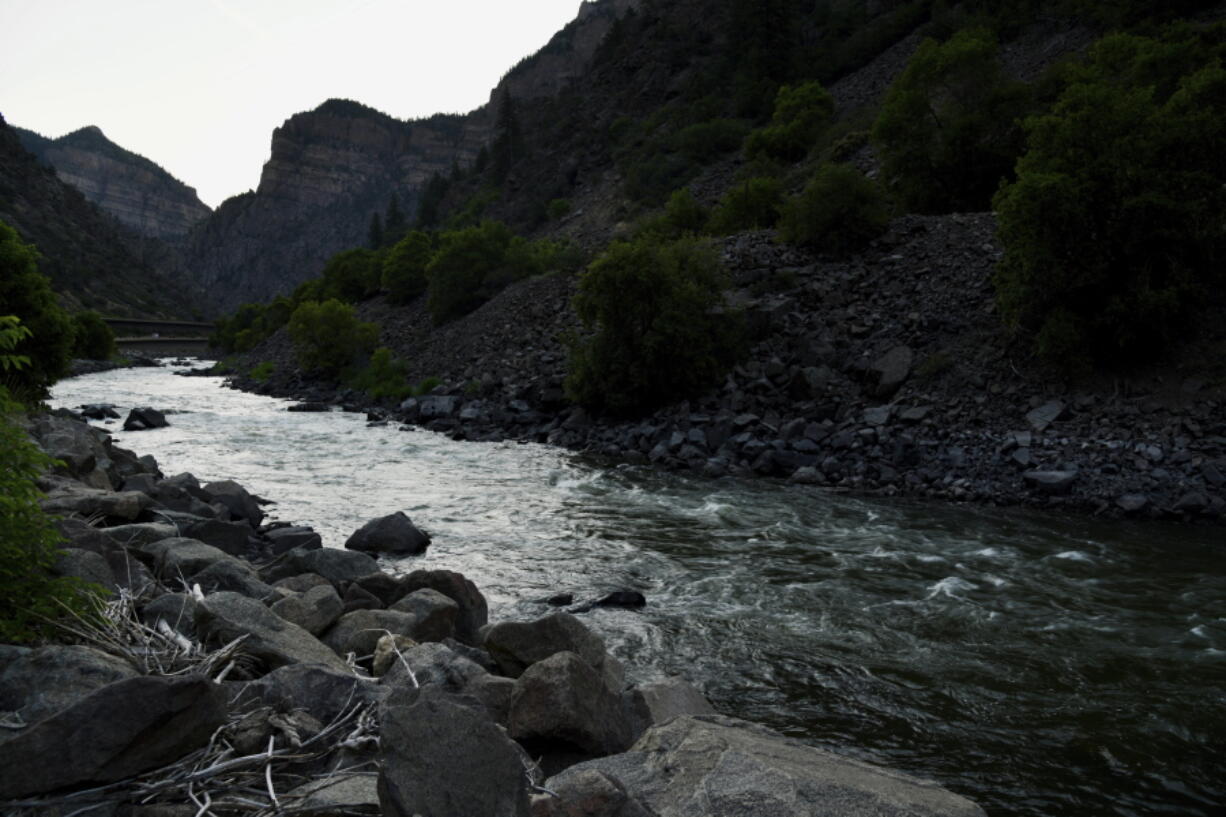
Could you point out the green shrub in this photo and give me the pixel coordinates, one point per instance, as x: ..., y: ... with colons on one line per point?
x: 704, y: 142
x: 474, y: 264
x: 1116, y: 225
x: 26, y: 294
x: 839, y: 212
x: 262, y: 371
x: 801, y: 113
x: 383, y: 377
x: 31, y: 599
x: 404, y: 268
x: 92, y: 338
x: 752, y: 204
x: 252, y: 324
x: 659, y: 332
x: 683, y: 214
x: 557, y: 209
x: 949, y: 130
x: 350, y: 276
x: 329, y: 338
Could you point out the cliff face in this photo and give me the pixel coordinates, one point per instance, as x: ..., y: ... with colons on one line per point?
x: 92, y: 260
x: 332, y: 168
x: 138, y: 193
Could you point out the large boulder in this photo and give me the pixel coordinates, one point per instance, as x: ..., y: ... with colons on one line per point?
x: 358, y: 631
x: 335, y: 565
x: 74, y: 498
x: 561, y: 704
x: 137, y: 535
x: 231, y: 537
x: 516, y: 645
x: 177, y: 609
x: 323, y: 691
x: 142, y: 419
x: 436, y: 665
x: 888, y: 372
x: 587, y: 793
x: 222, y: 617
x: 80, y: 448
x: 652, y: 704
x: 241, y: 504
x: 714, y: 766
x: 314, y: 610
x: 86, y: 566
x: 182, y: 558
x: 394, y: 533
x: 473, y: 613
x: 45, y: 680
x: 120, y: 730
x: 443, y: 759
x: 235, y: 576
x: 283, y: 539
x: 435, y: 613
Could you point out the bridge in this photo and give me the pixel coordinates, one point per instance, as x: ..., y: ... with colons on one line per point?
x: 161, y: 338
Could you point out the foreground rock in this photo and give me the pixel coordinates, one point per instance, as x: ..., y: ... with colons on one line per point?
x: 714, y: 766
x: 394, y: 533
x: 223, y: 617
x: 120, y: 730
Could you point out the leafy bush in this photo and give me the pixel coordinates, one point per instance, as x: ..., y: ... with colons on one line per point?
x: 404, y: 268
x: 659, y: 330
x: 949, y: 127
x: 329, y: 338
x: 683, y: 214
x: 557, y: 209
x: 1117, y: 221
x: 383, y: 377
x: 839, y: 212
x: 92, y: 338
x: 252, y: 324
x: 26, y: 294
x: 474, y: 264
x: 703, y: 142
x: 802, y: 112
x: 30, y: 597
x: 262, y: 371
x: 350, y: 276
x: 752, y: 204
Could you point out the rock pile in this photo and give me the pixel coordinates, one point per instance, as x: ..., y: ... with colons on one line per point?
x: 232, y: 668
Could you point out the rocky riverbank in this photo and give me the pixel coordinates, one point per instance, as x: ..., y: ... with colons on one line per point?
x: 886, y: 374
x: 240, y: 667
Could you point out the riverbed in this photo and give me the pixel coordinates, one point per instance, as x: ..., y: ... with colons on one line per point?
x: 1039, y: 664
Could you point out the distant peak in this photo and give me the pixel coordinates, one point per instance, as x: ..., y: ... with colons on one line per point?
x: 348, y: 107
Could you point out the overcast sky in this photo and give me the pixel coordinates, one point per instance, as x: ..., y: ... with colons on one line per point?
x: 198, y: 85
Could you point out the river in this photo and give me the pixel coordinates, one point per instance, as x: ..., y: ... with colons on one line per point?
x: 1039, y: 664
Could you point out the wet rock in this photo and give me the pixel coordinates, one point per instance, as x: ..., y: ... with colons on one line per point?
x: 287, y: 538
x: 314, y: 610
x: 435, y: 613
x: 310, y: 407
x: 394, y: 533
x: 222, y: 617
x: 441, y: 758
x: 562, y: 704
x: 630, y: 599
x: 713, y: 766
x: 142, y: 419
x: 99, y: 411
x: 335, y: 565
x: 516, y: 645
x: 242, y: 505
x: 119, y: 730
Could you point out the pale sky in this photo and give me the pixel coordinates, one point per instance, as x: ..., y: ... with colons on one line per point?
x: 199, y: 85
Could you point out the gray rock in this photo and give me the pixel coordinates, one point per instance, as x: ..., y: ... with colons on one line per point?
x: 283, y: 539
x: 394, y: 533
x: 180, y: 558
x: 877, y: 415
x: 241, y: 504
x: 229, y: 537
x: 434, y: 665
x: 516, y: 645
x: 474, y: 612
x: 337, y: 566
x: 359, y: 598
x: 136, y: 536
x: 435, y: 613
x: 652, y: 704
x: 122, y: 729
x: 358, y: 632
x: 314, y: 610
x: 1052, y: 483
x: 74, y: 498
x: 713, y: 766
x: 129, y: 573
x: 176, y: 609
x: 80, y: 534
x: 142, y: 419
x: 337, y: 794
x: 302, y: 582
x: 323, y: 691
x: 443, y: 759
x: 562, y: 703
x: 234, y: 576
x: 86, y: 566
x: 889, y: 371
x: 74, y: 443
x: 434, y: 406
x: 45, y: 680
x: 1132, y: 503
x: 587, y: 793
x: 389, y: 650
x: 1046, y: 414
x: 222, y: 617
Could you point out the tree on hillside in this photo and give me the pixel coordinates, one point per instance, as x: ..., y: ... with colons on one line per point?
x: 394, y: 222
x: 404, y: 268
x: 508, y: 145
x: 374, y: 233
x: 26, y: 294
x: 949, y: 128
x: 329, y: 338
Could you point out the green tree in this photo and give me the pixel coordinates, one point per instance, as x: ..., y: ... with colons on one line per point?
x: 1116, y: 224
x: 839, y: 211
x: 752, y: 204
x: 508, y: 147
x: 949, y: 129
x: 351, y: 276
x: 383, y: 377
x: 429, y: 206
x: 329, y: 338
x: 801, y: 113
x: 394, y: 222
x: 404, y: 267
x: 460, y: 273
x: 26, y: 293
x: 374, y: 233
x: 684, y: 214
x: 659, y: 329
x: 92, y: 338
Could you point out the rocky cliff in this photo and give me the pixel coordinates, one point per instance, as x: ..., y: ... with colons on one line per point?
x: 138, y: 193
x: 92, y: 260
x: 332, y: 168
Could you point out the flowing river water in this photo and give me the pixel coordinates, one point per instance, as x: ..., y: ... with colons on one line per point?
x: 1041, y: 665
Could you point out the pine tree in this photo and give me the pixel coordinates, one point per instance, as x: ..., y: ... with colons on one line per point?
x: 394, y: 222
x: 374, y: 236
x: 508, y: 140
